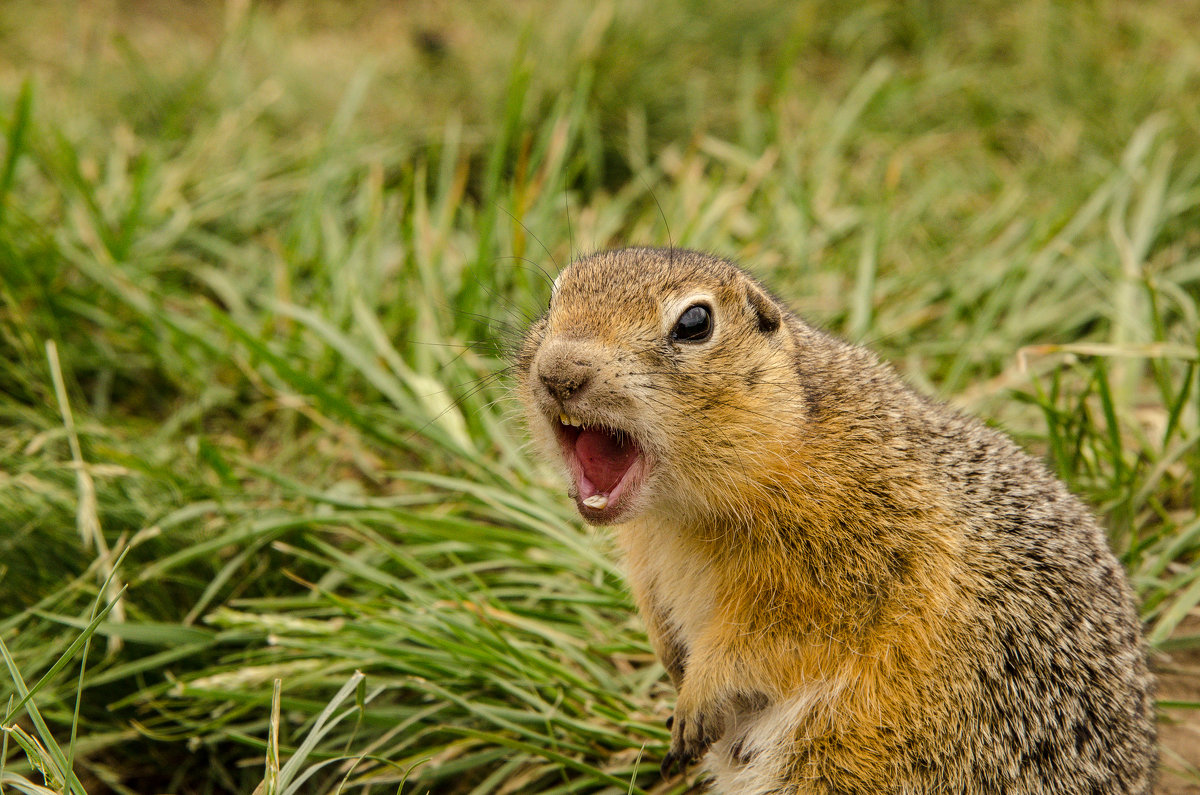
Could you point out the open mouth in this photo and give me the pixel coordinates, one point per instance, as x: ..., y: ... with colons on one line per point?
x: 607, y: 465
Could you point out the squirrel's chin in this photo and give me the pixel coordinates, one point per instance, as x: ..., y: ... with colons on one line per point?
x: 611, y: 514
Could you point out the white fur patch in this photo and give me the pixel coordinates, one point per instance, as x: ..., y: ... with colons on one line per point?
x: 662, y: 562
x: 767, y: 740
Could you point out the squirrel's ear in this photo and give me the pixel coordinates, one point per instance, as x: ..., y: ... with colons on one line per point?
x: 766, y: 310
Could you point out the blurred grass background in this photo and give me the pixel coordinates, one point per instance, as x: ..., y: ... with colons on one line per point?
x: 260, y: 263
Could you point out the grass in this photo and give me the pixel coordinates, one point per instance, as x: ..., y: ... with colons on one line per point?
x: 269, y: 517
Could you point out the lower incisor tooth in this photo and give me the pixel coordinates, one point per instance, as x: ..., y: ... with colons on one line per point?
x: 597, y: 501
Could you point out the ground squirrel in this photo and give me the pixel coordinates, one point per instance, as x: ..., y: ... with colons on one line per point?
x: 853, y: 587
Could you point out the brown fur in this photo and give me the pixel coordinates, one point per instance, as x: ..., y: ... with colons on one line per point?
x: 854, y: 588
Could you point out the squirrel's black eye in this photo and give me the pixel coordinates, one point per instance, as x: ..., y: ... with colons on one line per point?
x: 694, y: 325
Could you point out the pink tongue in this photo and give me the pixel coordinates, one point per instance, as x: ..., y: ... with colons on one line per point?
x: 604, y: 458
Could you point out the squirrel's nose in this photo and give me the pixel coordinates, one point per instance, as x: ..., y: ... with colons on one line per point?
x: 563, y: 372
x: 562, y: 385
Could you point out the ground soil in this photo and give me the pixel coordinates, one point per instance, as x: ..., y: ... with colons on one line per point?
x: 1179, y: 728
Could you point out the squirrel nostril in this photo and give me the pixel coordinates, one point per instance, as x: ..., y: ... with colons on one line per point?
x: 563, y: 385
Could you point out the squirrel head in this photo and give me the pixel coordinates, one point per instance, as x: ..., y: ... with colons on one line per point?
x: 661, y: 379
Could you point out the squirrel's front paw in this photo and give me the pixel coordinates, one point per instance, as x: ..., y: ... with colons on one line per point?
x: 693, y: 730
